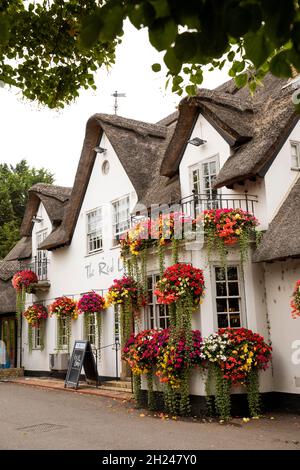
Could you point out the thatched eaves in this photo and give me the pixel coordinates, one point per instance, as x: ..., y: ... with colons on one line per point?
x: 274, y: 120
x: 230, y: 116
x: 7, y: 292
x: 7, y: 297
x: 282, y: 239
x: 254, y: 127
x: 169, y: 120
x: 54, y: 199
x: 21, y: 250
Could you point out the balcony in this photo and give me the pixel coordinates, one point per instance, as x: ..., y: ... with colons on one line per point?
x: 196, y: 203
x: 40, y: 267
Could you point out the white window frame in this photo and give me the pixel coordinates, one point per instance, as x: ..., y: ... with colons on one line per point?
x: 156, y: 307
x: 117, y: 234
x: 199, y: 167
x: 98, y: 233
x: 41, y: 255
x: 297, y: 145
x: 36, y: 335
x: 64, y: 345
x: 241, y: 296
x: 88, y: 334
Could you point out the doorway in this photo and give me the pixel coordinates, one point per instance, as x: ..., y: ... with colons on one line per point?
x: 8, y: 334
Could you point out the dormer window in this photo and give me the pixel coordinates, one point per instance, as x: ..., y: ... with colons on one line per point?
x: 295, y: 155
x: 202, y: 179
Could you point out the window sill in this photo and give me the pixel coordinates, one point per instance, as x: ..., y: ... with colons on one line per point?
x: 115, y: 247
x: 94, y: 253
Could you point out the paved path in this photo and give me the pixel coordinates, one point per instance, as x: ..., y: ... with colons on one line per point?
x: 40, y: 418
x: 84, y: 389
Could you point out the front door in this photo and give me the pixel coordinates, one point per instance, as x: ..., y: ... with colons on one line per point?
x: 8, y: 337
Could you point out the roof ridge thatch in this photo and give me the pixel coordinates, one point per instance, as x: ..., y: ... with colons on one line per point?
x: 224, y: 99
x: 139, y: 127
x: 62, y: 193
x: 169, y: 120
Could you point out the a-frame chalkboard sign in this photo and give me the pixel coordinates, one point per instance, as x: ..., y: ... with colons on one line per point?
x: 82, y: 355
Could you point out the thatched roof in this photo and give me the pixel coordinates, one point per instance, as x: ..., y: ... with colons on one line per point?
x: 21, y: 250
x: 169, y: 120
x: 55, y: 199
x: 7, y: 297
x: 161, y: 190
x: 255, y: 127
x: 8, y: 269
x: 7, y: 292
x: 139, y: 147
x: 282, y: 239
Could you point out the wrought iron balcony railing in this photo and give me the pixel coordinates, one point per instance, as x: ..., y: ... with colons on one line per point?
x: 196, y: 203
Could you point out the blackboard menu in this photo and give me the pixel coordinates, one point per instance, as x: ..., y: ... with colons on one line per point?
x: 82, y: 356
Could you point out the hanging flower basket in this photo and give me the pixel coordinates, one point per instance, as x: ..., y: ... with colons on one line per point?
x: 141, y: 350
x: 65, y: 309
x: 235, y: 356
x: 227, y: 227
x: 92, y: 304
x: 22, y: 282
x: 160, y: 231
x: 127, y: 294
x: 36, y: 315
x: 180, y: 281
x: 125, y: 290
x: 177, y: 358
x: 295, y: 302
x: 136, y: 239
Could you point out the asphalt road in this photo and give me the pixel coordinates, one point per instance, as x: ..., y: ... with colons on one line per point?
x: 32, y: 418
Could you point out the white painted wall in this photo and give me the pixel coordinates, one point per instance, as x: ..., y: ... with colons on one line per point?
x: 280, y: 279
x: 193, y: 155
x: 73, y: 272
x: 280, y: 177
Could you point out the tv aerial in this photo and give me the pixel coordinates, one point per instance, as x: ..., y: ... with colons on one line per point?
x: 117, y: 95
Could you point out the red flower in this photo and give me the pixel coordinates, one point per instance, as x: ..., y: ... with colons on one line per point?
x: 178, y: 281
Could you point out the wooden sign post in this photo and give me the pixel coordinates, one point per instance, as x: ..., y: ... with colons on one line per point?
x: 82, y: 355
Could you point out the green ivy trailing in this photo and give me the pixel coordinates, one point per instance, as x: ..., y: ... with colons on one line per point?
x: 20, y: 304
x: 161, y: 258
x: 253, y: 395
x: 222, y: 396
x: 30, y: 337
x: 137, y: 389
x: 150, y: 392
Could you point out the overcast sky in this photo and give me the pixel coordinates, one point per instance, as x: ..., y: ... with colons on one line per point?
x: 53, y: 139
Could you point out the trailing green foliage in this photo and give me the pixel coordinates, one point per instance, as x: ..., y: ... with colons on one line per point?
x: 253, y: 395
